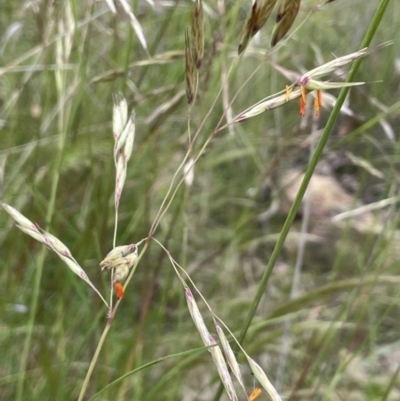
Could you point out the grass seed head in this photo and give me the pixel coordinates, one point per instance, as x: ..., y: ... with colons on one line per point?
x: 307, y: 82
x: 120, y: 180
x: 189, y: 69
x: 120, y: 114
x: 287, y: 13
x: 188, y: 171
x: 259, y: 14
x: 20, y: 219
x: 268, y: 104
x: 229, y: 355
x: 53, y: 243
x: 124, y: 255
x: 120, y: 273
x: 33, y: 230
x: 197, y: 318
x: 262, y: 378
x: 330, y: 66
x: 223, y: 371
x: 124, y: 136
x: 198, y: 32
x: 120, y: 260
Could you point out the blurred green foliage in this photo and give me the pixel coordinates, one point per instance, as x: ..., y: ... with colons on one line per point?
x: 343, y: 335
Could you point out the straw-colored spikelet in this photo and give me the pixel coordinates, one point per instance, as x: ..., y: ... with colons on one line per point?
x: 120, y: 114
x: 188, y: 171
x: 262, y: 378
x: 209, y: 340
x: 124, y: 136
x: 331, y: 66
x: 198, y: 32
x: 258, y: 16
x: 53, y: 243
x: 229, y: 355
x: 266, y: 105
x: 120, y: 260
x: 287, y: 13
x: 223, y: 371
x: 307, y: 82
x: 197, y: 318
x: 189, y: 69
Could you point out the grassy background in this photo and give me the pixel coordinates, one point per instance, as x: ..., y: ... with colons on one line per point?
x: 344, y: 329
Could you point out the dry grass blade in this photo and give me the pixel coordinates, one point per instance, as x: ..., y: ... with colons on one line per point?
x: 111, y: 6
x: 189, y: 69
x: 159, y: 59
x: 198, y: 32
x: 53, y: 243
x: 287, y: 13
x: 223, y: 371
x: 259, y: 14
x: 162, y: 112
x: 124, y: 9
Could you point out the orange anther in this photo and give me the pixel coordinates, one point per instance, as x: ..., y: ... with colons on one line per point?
x: 319, y: 98
x: 316, y: 107
x: 289, y: 90
x: 254, y: 394
x: 302, y: 110
x: 119, y: 290
x: 303, y: 94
